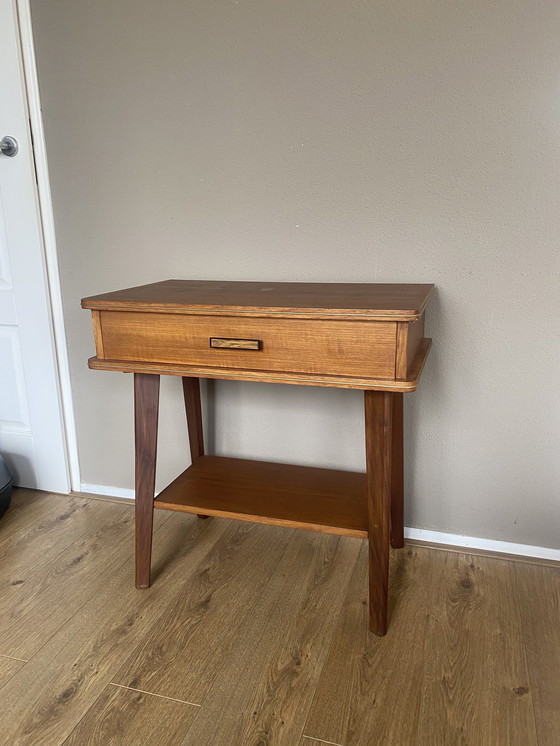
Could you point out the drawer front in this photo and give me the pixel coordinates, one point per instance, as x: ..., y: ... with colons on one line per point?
x: 353, y: 348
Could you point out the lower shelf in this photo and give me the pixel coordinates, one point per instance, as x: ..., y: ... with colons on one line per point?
x: 323, y: 500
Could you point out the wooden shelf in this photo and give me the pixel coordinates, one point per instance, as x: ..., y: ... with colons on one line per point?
x: 323, y: 500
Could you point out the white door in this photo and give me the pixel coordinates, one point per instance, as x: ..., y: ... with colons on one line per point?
x: 32, y: 437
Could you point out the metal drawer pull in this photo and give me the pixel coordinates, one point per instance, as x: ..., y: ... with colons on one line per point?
x: 222, y: 343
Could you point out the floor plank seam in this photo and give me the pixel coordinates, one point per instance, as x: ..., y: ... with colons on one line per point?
x: 322, y: 740
x: 153, y: 694
x: 474, y: 637
x: 526, y: 658
x: 13, y: 658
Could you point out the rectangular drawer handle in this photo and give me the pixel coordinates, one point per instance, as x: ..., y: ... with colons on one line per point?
x: 221, y: 343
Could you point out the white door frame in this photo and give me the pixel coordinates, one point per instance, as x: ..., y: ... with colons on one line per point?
x: 46, y: 219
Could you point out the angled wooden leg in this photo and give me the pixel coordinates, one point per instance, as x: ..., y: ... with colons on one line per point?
x: 378, y: 417
x: 146, y: 402
x: 193, y: 410
x: 397, y: 475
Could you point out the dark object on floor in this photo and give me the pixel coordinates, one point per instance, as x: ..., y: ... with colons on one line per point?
x: 6, y: 479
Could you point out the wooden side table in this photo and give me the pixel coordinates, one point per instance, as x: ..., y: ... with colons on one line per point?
x: 359, y: 336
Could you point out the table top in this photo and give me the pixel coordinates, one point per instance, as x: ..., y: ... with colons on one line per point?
x: 404, y: 302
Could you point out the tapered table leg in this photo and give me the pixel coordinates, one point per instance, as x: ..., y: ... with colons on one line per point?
x: 146, y: 404
x: 378, y: 418
x: 193, y: 410
x: 397, y: 475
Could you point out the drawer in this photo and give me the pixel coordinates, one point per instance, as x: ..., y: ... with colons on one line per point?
x: 352, y: 348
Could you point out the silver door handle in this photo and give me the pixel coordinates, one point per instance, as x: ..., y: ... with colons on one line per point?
x: 9, y: 146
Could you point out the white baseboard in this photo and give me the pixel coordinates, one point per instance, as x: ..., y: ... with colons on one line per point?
x: 417, y: 534
x: 486, y: 545
x: 106, y: 491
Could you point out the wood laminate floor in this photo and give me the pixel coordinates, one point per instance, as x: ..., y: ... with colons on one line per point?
x: 255, y: 635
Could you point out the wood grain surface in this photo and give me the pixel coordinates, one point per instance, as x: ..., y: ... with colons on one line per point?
x: 370, y: 687
x: 236, y: 344
x: 125, y: 717
x: 324, y: 500
x: 538, y: 598
x: 193, y: 411
x: 347, y: 348
x: 397, y: 473
x: 146, y: 410
x: 23, y: 502
x: 180, y: 658
x: 264, y: 690
x: 45, y: 700
x: 91, y: 542
x: 244, y: 374
x: 414, y: 341
x: 266, y: 630
x: 400, y: 302
x: 401, y: 354
x: 28, y: 538
x: 476, y: 683
x: 379, y: 442
x: 97, y: 332
x: 8, y: 668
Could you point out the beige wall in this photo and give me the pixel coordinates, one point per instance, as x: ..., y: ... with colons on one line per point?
x: 391, y: 141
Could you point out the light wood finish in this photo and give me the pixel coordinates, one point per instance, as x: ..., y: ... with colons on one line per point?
x: 129, y: 718
x: 370, y: 688
x: 299, y: 379
x: 97, y: 333
x: 538, y: 597
x: 146, y: 408
x: 410, y: 337
x: 53, y: 691
x: 22, y: 502
x: 180, y: 658
x: 343, y: 348
x: 476, y: 684
x: 401, y: 355
x: 472, y: 657
x: 307, y: 299
x: 379, y: 438
x: 322, y: 500
x: 236, y: 344
x: 267, y: 683
x: 414, y: 342
x: 90, y: 543
x: 353, y: 336
x: 8, y: 668
x: 26, y: 543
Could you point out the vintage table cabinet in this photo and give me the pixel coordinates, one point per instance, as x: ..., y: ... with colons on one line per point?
x: 359, y: 336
